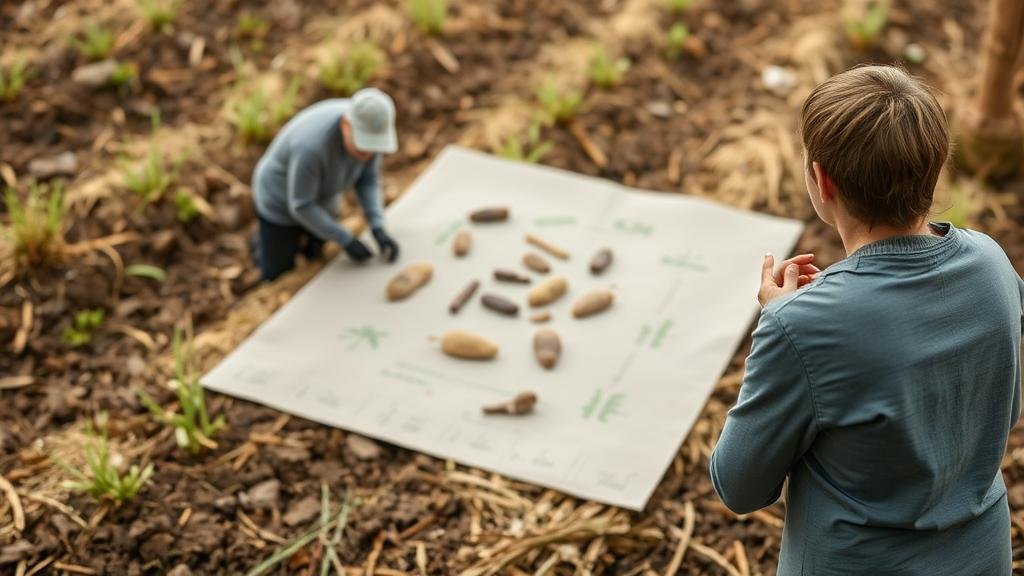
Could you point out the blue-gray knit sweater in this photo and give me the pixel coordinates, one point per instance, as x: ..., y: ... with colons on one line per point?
x: 299, y: 179
x: 885, y: 391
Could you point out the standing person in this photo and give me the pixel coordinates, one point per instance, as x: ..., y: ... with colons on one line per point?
x: 885, y: 386
x: 325, y: 149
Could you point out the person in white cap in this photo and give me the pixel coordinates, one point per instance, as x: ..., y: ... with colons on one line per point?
x: 324, y: 150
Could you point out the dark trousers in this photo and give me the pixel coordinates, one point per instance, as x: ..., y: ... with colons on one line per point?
x: 275, y: 247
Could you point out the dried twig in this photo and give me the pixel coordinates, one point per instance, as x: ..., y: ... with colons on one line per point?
x: 59, y: 506
x: 264, y: 534
x: 592, y: 151
x: 684, y: 540
x: 16, y: 510
x: 741, y: 558
x: 712, y: 555
x: 371, y: 560
x: 73, y: 568
x: 13, y: 382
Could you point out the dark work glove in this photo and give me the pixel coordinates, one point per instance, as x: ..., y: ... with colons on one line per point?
x: 357, y: 251
x: 388, y: 246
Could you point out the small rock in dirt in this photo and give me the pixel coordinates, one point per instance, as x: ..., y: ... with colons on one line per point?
x: 914, y: 53
x: 63, y: 164
x: 659, y: 108
x: 157, y: 546
x: 94, y: 75
x: 778, y: 79
x: 16, y: 552
x: 363, y: 448
x: 225, y: 505
x: 162, y: 241
x: 263, y: 495
x: 302, y: 511
x: 135, y: 365
x: 180, y: 570
x: 148, y: 525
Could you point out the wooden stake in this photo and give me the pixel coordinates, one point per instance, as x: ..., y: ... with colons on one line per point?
x: 989, y: 130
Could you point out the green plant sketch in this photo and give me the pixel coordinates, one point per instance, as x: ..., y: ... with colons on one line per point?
x: 364, y: 334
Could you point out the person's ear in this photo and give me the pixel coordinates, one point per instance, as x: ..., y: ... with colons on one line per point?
x: 826, y: 188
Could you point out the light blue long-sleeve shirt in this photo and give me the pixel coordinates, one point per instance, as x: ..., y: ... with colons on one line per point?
x: 885, y: 390
x: 300, y: 178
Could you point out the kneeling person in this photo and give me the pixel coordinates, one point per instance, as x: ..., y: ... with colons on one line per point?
x: 324, y: 150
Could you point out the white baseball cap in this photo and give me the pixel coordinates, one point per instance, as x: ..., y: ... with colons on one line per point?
x: 372, y: 117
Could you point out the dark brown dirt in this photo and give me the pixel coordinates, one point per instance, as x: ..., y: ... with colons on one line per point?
x: 673, y: 126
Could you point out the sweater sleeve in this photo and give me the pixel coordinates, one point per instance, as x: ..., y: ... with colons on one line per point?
x: 770, y: 427
x: 368, y: 191
x: 303, y: 185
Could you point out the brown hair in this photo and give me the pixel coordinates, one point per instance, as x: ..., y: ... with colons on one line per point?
x: 881, y: 136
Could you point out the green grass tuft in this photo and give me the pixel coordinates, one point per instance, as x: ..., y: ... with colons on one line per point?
x: 102, y: 480
x: 193, y: 428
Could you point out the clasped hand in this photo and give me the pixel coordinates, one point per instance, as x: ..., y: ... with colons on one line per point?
x: 794, y: 273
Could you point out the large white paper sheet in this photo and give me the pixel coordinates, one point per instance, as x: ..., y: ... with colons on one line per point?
x: 631, y: 381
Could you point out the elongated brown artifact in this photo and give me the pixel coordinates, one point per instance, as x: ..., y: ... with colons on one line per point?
x: 463, y: 297
x: 547, y: 348
x: 490, y: 214
x: 547, y: 291
x: 409, y: 280
x: 540, y: 317
x: 548, y: 247
x: 467, y: 345
x: 535, y: 262
x: 506, y: 275
x: 462, y: 243
x: 499, y: 304
x: 601, y: 261
x: 523, y: 403
x: 592, y: 303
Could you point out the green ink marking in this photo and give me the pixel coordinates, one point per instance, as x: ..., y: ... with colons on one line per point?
x: 633, y: 227
x: 444, y: 236
x: 611, y: 406
x: 555, y: 221
x: 687, y: 261
x: 588, y: 410
x: 365, y: 333
x: 645, y: 330
x: 660, y: 335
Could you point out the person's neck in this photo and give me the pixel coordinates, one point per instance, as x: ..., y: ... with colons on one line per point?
x: 856, y: 235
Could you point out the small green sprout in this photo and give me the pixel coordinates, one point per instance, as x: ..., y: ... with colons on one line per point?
x: 125, y: 76
x: 679, y: 6
x: 36, y: 228
x: 560, y: 104
x: 86, y: 323
x: 350, y: 70
x: 103, y: 481
x: 864, y: 26
x: 256, y: 119
x: 160, y: 13
x: 151, y: 177
x: 193, y: 428
x: 513, y: 149
x: 253, y: 28
x: 96, y: 43
x: 429, y: 15
x: 605, y: 70
x: 185, y: 206
x: 676, y: 38
x: 12, y: 80
x: 146, y: 271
